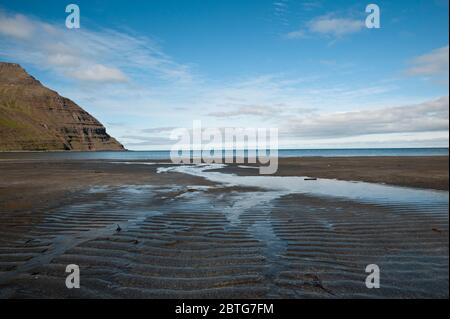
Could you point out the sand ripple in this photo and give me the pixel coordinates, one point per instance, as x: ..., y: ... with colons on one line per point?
x: 188, y: 242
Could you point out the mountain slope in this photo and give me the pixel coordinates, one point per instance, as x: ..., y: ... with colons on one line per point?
x: 35, y: 118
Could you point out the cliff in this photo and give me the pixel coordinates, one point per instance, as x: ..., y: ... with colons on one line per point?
x: 35, y: 118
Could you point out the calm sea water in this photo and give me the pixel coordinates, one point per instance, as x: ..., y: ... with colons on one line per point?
x: 160, y: 155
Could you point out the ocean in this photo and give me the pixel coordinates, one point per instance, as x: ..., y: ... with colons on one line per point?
x: 160, y: 155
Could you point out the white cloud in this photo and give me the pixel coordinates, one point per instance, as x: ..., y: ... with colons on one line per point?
x: 311, y: 5
x: 65, y: 60
x: 296, y: 34
x: 434, y: 64
x: 335, y: 26
x: 280, y: 6
x: 17, y: 26
x: 158, y: 130
x: 100, y: 56
x: 261, y: 111
x: 246, y: 110
x: 99, y: 73
x: 423, y: 124
x: 281, y: 9
x: 146, y: 141
x: 328, y: 25
x: 429, y: 116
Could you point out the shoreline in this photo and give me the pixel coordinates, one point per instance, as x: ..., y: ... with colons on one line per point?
x: 427, y: 172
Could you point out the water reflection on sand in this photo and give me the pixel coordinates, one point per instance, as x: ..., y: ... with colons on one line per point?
x: 240, y: 237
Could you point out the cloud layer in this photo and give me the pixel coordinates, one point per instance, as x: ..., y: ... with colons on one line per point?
x: 94, y: 56
x: 434, y: 65
x: 126, y: 78
x: 328, y: 25
x: 429, y: 116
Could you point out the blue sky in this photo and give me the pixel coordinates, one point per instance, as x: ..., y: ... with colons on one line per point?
x: 310, y: 68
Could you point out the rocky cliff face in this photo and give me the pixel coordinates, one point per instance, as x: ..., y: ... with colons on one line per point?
x: 35, y: 118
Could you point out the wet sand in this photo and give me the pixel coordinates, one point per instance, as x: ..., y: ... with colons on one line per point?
x: 421, y: 172
x: 186, y: 237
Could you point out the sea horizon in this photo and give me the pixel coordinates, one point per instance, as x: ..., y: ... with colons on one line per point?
x: 282, y: 153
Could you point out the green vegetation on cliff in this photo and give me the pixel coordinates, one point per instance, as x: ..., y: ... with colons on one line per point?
x: 35, y: 118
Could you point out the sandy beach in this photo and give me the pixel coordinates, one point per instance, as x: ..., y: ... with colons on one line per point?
x: 186, y: 236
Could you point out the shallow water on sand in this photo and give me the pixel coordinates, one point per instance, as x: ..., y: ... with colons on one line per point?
x: 401, y: 197
x: 246, y: 237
